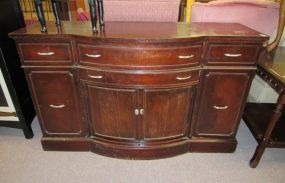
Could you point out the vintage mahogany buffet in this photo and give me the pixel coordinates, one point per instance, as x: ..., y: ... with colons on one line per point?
x: 139, y: 90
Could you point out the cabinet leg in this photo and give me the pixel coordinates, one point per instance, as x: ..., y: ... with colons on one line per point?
x: 262, y: 145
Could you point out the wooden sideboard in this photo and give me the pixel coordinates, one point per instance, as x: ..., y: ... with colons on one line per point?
x: 139, y: 90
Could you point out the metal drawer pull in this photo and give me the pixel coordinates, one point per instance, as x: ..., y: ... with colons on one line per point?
x: 185, y: 56
x: 45, y: 53
x: 141, y: 111
x: 137, y: 112
x: 220, y: 108
x: 183, y: 78
x: 92, y: 56
x: 95, y: 77
x: 57, y: 106
x: 233, y: 55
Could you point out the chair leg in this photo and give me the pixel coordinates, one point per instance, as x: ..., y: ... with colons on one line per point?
x: 262, y: 145
x: 258, y: 154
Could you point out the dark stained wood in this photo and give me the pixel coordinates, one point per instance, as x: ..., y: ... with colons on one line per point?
x: 240, y: 54
x: 136, y: 78
x: 167, y: 118
x: 143, y: 31
x: 56, y: 101
x: 139, y: 90
x: 112, y: 112
x: 223, y: 95
x: 45, y: 52
x: 262, y: 113
x: 212, y: 145
x: 70, y: 144
x: 141, y: 55
x: 130, y: 151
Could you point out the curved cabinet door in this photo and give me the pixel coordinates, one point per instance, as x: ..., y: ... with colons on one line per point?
x: 223, y: 96
x: 56, y: 100
x: 112, y: 112
x: 167, y: 112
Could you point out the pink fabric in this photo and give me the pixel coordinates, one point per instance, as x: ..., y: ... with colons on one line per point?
x: 138, y: 10
x: 30, y: 21
x: 83, y: 16
x: 256, y: 14
x: 260, y: 3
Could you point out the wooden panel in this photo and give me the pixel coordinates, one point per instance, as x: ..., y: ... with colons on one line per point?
x: 127, y: 78
x: 55, y: 96
x: 222, y: 98
x: 219, y: 53
x: 167, y: 112
x: 152, y: 55
x: 39, y: 53
x: 111, y: 112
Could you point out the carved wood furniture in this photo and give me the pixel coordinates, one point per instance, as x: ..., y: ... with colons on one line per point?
x: 139, y: 90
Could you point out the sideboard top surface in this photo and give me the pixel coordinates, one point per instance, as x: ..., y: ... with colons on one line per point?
x: 142, y: 30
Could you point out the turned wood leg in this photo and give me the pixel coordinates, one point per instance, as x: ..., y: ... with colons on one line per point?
x: 263, y: 143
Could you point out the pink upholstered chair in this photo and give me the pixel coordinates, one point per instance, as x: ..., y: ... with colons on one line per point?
x: 138, y: 10
x: 261, y: 15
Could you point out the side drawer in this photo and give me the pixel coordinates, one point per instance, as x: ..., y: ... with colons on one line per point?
x: 151, y: 55
x: 135, y: 79
x: 45, y: 53
x: 233, y: 54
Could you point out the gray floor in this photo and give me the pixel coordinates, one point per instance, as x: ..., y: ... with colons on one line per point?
x: 24, y: 161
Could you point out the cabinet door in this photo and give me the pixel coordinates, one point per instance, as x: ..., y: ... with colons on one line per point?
x: 56, y: 100
x: 112, y: 112
x: 223, y: 96
x: 167, y: 113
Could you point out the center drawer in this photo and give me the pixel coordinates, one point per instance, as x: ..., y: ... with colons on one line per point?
x: 136, y: 79
x: 151, y: 55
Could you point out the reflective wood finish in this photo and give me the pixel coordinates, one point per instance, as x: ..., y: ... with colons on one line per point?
x: 140, y: 90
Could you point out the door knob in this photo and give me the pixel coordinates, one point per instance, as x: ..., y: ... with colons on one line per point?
x: 141, y: 111
x: 137, y: 112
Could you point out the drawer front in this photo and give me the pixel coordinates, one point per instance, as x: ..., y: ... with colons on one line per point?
x: 231, y: 54
x: 119, y: 78
x: 145, y: 56
x: 44, y: 53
